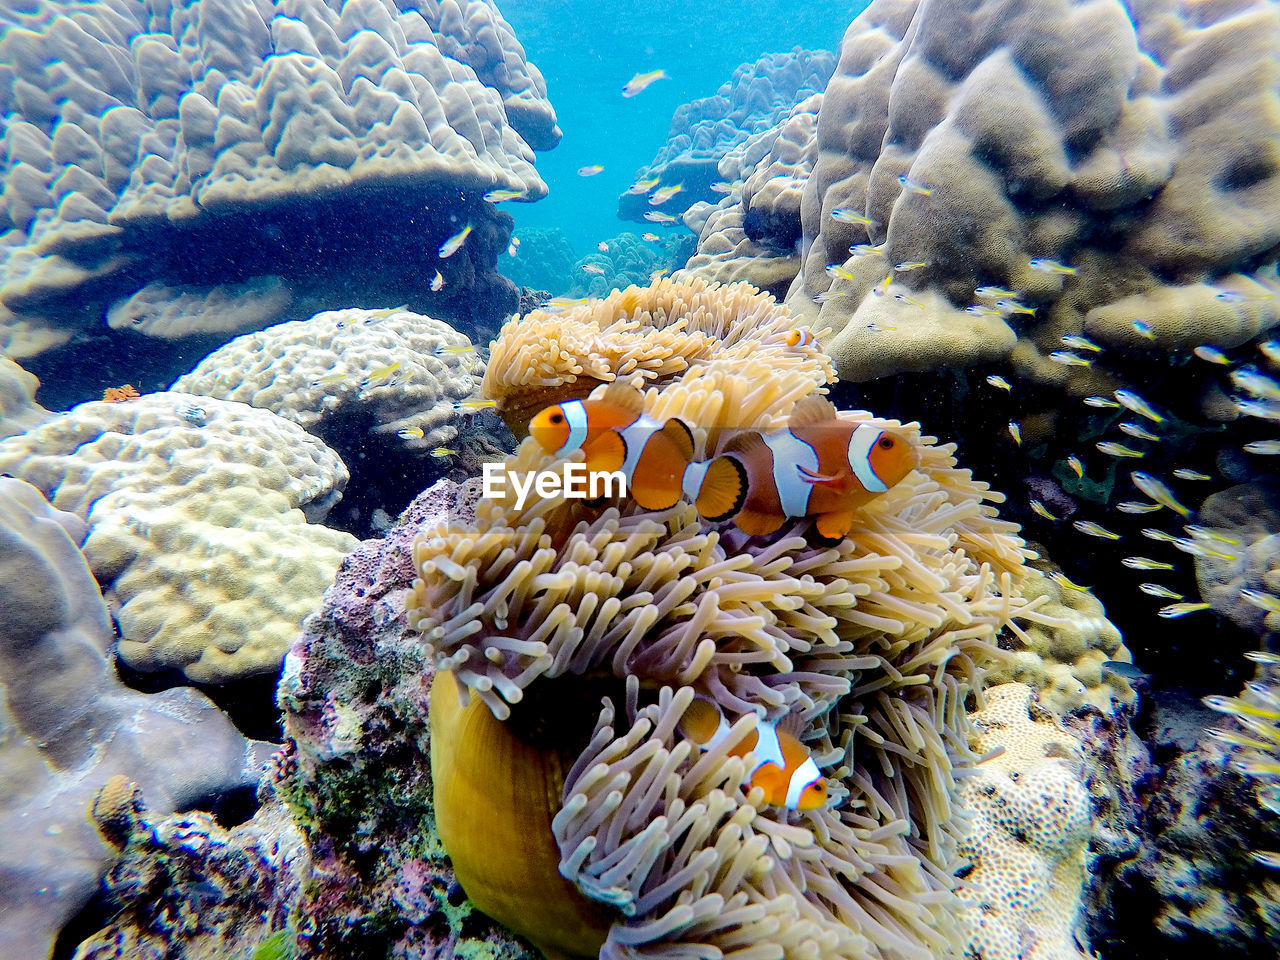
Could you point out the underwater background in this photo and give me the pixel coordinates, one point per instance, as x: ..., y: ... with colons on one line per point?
x: 935, y: 344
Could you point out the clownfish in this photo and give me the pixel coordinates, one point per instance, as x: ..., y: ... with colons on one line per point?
x: 818, y: 466
x: 784, y: 769
x: 615, y: 434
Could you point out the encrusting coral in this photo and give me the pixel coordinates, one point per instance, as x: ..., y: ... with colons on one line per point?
x: 1031, y: 829
x: 869, y: 648
x: 197, y: 511
x: 405, y: 370
x: 657, y: 332
x: 996, y: 145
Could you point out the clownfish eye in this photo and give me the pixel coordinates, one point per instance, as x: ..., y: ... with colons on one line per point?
x: 885, y: 443
x: 557, y: 418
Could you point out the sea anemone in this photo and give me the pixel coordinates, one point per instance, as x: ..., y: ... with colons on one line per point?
x: 570, y: 639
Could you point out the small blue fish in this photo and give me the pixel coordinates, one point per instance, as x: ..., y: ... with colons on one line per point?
x: 1144, y: 329
x: 1211, y: 355
x: 911, y: 186
x: 1049, y: 265
x: 454, y: 243
x: 852, y: 216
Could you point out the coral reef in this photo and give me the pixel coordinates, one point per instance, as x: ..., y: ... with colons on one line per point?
x: 1247, y: 515
x: 1031, y: 827
x: 628, y: 261
x: 1029, y: 132
x: 656, y: 332
x: 186, y: 887
x: 1063, y: 647
x: 315, y: 371
x: 195, y: 509
x: 872, y: 645
x: 1195, y: 886
x: 543, y: 261
x: 754, y: 233
x: 68, y: 726
x: 163, y: 160
x: 356, y: 771
x: 19, y: 411
x: 757, y: 97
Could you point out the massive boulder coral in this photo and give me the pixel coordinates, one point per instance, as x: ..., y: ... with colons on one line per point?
x: 399, y: 369
x: 870, y: 645
x: 199, y: 150
x: 754, y: 233
x: 1129, y: 141
x: 197, y: 512
x: 1248, y: 559
x: 755, y: 99
x: 655, y: 332
x: 68, y: 726
x: 19, y: 411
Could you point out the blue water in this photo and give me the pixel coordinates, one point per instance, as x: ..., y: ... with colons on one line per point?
x: 588, y: 50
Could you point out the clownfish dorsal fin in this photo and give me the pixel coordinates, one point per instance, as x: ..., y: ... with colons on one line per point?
x: 812, y: 409
x: 624, y: 395
x: 746, y: 443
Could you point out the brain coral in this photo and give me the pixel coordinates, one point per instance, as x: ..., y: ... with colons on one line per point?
x: 195, y: 508
x: 656, y: 332
x: 313, y: 371
x: 757, y: 97
x: 869, y: 647
x: 205, y: 145
x: 68, y: 726
x: 1131, y: 142
x: 1030, y: 832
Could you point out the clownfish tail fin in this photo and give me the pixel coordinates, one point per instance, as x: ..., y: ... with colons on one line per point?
x: 812, y: 409
x: 722, y: 489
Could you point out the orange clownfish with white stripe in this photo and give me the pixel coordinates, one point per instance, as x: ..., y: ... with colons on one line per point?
x: 615, y: 434
x: 784, y: 769
x: 817, y: 466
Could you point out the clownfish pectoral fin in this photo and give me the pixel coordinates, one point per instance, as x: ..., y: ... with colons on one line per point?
x: 624, y: 395
x: 812, y: 409
x: 773, y: 780
x: 723, y: 489
x: 755, y: 523
x: 808, y: 476
x: 608, y: 452
x: 835, y: 525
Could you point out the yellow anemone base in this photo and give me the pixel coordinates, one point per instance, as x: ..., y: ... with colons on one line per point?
x: 495, y: 796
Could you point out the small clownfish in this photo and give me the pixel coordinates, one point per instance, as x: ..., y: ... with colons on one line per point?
x: 784, y: 769
x: 818, y: 466
x: 615, y: 434
x: 799, y: 337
